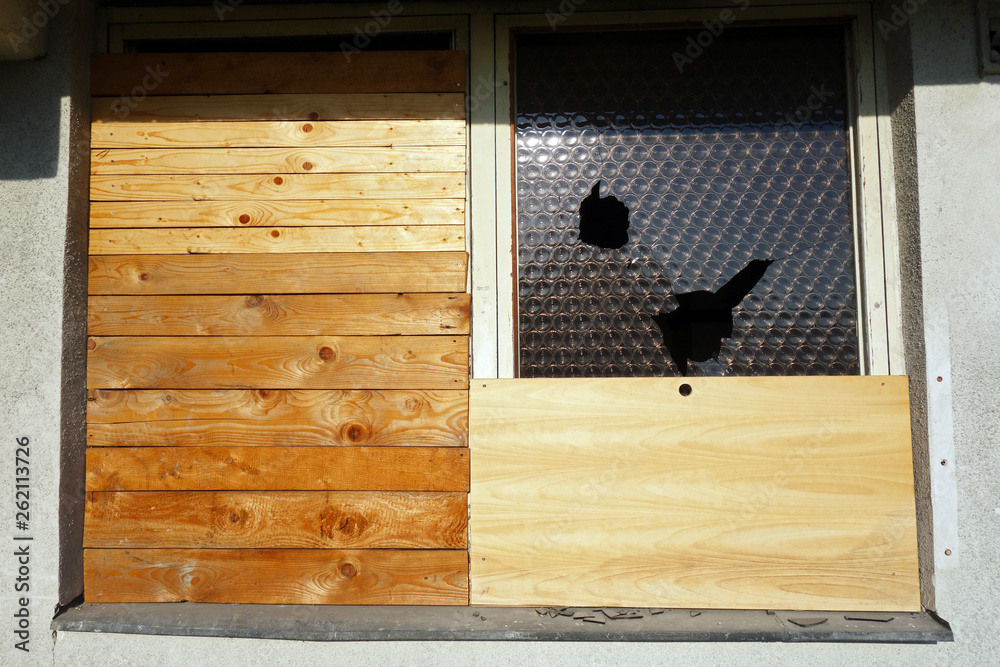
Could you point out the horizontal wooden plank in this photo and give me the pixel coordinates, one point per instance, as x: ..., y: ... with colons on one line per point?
x: 278, y: 274
x: 277, y: 576
x: 253, y: 187
x: 121, y: 74
x: 275, y: 520
x: 277, y: 469
x: 278, y: 362
x: 749, y: 493
x: 269, y: 417
x: 268, y: 134
x: 353, y: 106
x: 327, y: 160
x: 202, y: 240
x: 279, y: 315
x: 307, y: 213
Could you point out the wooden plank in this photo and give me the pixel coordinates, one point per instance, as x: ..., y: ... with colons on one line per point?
x: 309, y: 213
x: 278, y: 274
x: 277, y: 469
x: 119, y: 74
x: 265, y: 134
x: 275, y: 520
x: 283, y: 186
x: 200, y: 240
x: 278, y: 362
x: 279, y: 315
x: 268, y: 417
x: 324, y: 160
x: 277, y: 576
x: 750, y: 493
x: 354, y: 106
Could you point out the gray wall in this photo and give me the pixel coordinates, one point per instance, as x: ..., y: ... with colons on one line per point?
x: 947, y: 192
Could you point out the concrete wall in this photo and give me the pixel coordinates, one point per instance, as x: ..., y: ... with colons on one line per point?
x: 947, y: 176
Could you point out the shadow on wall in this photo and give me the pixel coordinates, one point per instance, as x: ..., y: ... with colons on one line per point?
x: 31, y: 95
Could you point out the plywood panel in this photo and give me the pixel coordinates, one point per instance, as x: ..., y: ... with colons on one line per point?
x: 258, y: 134
x: 275, y: 519
x: 278, y: 274
x: 308, y: 213
x: 277, y: 576
x: 766, y: 493
x: 353, y: 106
x: 278, y: 362
x: 279, y: 315
x: 268, y: 417
x: 277, y: 160
x: 277, y: 469
x: 187, y: 241
x: 117, y: 74
x: 252, y: 187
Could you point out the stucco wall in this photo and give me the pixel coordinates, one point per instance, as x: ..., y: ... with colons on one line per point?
x: 948, y: 191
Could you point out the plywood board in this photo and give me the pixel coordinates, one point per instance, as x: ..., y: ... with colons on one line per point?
x: 269, y: 417
x: 265, y: 273
x: 277, y: 469
x: 302, y: 213
x: 119, y: 74
x: 352, y: 106
x: 277, y: 576
x: 275, y: 520
x: 750, y: 493
x: 418, y: 314
x: 278, y: 362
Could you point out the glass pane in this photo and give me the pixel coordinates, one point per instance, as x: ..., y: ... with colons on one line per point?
x: 721, y: 158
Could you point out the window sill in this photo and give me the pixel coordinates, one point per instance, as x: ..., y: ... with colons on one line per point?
x: 356, y: 623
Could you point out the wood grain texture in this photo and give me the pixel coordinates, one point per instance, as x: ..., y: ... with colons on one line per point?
x: 202, y: 240
x: 268, y: 417
x: 275, y: 520
x: 323, y: 273
x: 304, y: 107
x: 253, y: 187
x: 279, y: 315
x: 277, y: 469
x: 277, y: 160
x: 117, y: 74
x: 308, y: 213
x: 751, y: 493
x: 278, y: 362
x: 277, y: 576
x: 266, y: 134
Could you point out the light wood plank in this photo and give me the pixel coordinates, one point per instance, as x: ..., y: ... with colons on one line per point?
x: 119, y: 74
x: 278, y: 274
x: 353, y: 106
x: 278, y: 362
x: 277, y: 576
x: 309, y: 213
x: 751, y: 493
x: 181, y: 241
x: 279, y: 315
x: 252, y: 187
x: 277, y: 469
x: 265, y: 134
x: 329, y: 160
x: 268, y: 417
x: 275, y: 520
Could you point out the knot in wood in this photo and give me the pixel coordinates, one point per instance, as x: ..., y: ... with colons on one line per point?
x: 255, y: 301
x: 275, y: 233
x: 326, y: 353
x: 244, y: 219
x: 278, y: 180
x: 91, y: 344
x: 307, y: 166
x: 313, y: 115
x: 143, y: 276
x: 307, y: 127
x: 355, y: 432
x: 348, y: 570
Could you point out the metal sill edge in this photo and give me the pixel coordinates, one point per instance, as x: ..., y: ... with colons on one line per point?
x: 386, y: 623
